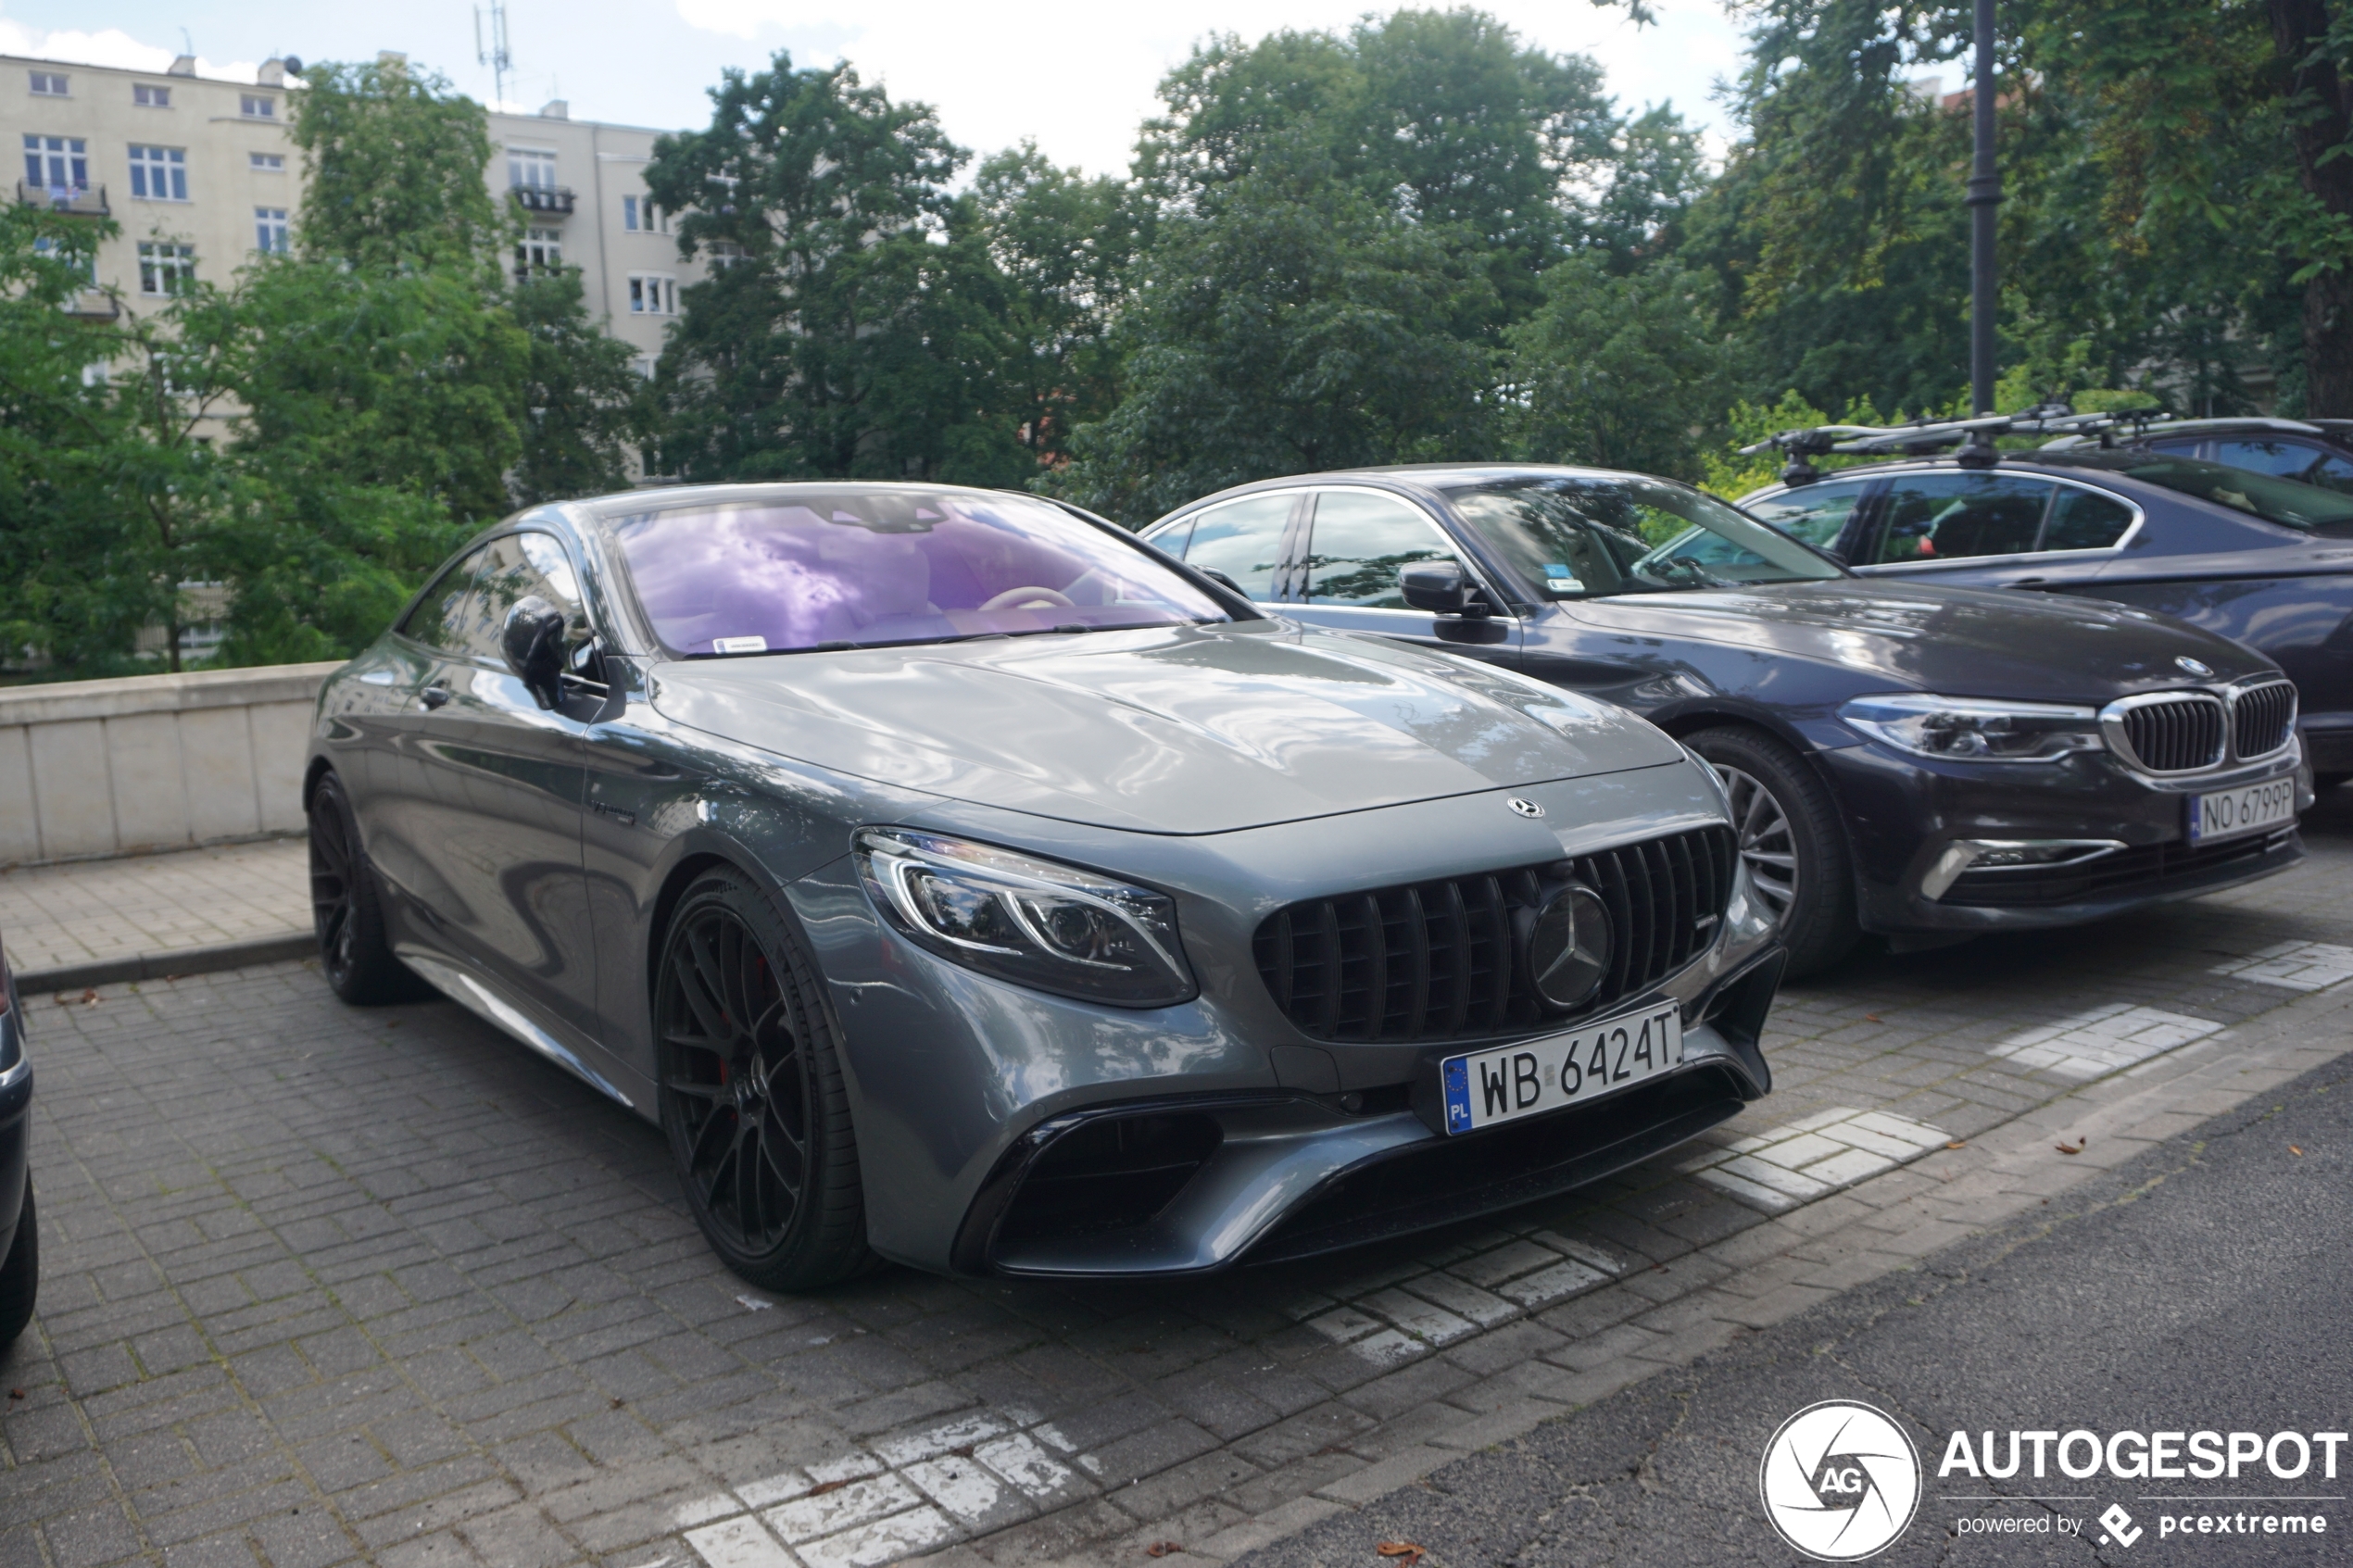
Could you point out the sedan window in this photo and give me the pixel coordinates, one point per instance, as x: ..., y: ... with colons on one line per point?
x: 439, y: 617
x: 1244, y: 540
x: 1360, y: 542
x: 2289, y: 503
x: 2334, y: 473
x: 1817, y: 513
x: 1955, y: 516
x: 2288, y: 459
x: 2085, y: 519
x: 1582, y: 535
x: 852, y: 568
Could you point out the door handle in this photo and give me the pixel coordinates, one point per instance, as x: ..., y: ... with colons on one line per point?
x: 433, y: 697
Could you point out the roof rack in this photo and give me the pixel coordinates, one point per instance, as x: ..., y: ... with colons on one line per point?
x: 1975, y: 436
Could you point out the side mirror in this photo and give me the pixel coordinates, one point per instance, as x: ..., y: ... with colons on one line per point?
x: 1442, y: 587
x: 533, y: 641
x: 1220, y: 579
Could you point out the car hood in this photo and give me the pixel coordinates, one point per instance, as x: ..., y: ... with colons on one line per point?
x: 1173, y: 730
x: 1958, y: 642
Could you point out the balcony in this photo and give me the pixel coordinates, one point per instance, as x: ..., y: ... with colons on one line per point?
x: 80, y: 200
x: 95, y: 305
x: 545, y: 199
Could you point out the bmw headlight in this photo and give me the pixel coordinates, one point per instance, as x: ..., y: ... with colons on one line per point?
x: 1968, y: 729
x: 1034, y: 923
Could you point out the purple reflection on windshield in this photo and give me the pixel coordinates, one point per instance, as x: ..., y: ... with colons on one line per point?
x: 803, y: 569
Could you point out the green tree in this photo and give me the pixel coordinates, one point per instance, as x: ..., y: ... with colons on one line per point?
x: 853, y: 321
x: 1618, y: 370
x: 1300, y: 327
x: 585, y: 408
x: 393, y: 165
x: 1064, y: 244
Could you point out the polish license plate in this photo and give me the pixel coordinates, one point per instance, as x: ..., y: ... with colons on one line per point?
x: 2233, y: 813
x: 1535, y: 1076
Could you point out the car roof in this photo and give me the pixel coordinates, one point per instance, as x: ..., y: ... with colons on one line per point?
x: 1410, y: 478
x: 2249, y: 424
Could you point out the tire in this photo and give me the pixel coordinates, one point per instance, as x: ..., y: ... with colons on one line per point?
x: 21, y: 1274
x: 1792, y: 842
x: 345, y: 911
x: 751, y: 1096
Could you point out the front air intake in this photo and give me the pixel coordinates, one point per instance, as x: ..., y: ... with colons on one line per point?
x: 2175, y: 735
x: 2262, y: 719
x: 1438, y: 960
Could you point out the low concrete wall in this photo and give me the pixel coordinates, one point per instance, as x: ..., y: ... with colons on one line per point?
x: 150, y: 763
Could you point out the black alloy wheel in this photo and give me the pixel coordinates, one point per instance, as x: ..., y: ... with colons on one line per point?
x: 1789, y: 841
x: 751, y: 1095
x: 353, y: 948
x: 20, y: 1272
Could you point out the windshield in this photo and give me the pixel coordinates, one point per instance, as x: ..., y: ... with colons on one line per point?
x: 1579, y: 535
x: 858, y: 568
x: 2287, y: 502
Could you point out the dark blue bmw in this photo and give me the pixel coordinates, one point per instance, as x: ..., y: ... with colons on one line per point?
x: 19, y: 1238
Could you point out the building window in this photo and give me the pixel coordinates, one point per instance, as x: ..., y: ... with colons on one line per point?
x: 166, y: 268
x: 148, y: 96
x: 270, y: 230
x: 160, y: 174
x: 640, y: 216
x: 531, y: 170
x: 541, y: 251
x: 57, y: 164
x: 267, y: 163
x: 256, y: 106
x: 651, y: 293
x: 85, y: 266
x: 48, y: 84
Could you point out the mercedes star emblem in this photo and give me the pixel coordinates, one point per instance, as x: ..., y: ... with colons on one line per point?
x: 1525, y: 807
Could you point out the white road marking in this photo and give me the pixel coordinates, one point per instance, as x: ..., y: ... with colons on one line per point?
x: 1817, y: 1155
x: 739, y: 1543
x: 886, y: 1540
x: 805, y: 1519
x: 2096, y: 1043
x: 2299, y: 966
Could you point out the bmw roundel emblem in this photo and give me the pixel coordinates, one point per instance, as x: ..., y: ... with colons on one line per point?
x: 1525, y: 807
x: 2192, y: 666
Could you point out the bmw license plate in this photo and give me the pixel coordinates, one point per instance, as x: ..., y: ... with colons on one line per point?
x: 1534, y: 1076
x: 2234, y: 812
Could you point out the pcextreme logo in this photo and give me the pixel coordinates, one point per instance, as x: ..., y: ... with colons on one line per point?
x: 1840, y: 1481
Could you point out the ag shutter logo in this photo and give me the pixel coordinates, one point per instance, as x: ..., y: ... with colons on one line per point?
x: 1840, y: 1481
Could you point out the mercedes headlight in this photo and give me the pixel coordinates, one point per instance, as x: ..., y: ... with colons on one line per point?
x: 1968, y: 729
x: 1076, y: 933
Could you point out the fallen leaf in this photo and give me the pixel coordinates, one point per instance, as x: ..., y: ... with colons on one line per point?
x: 2293, y: 1150
x: 1956, y: 1143
x: 64, y: 1001
x: 616, y: 1404
x: 1407, y: 1551
x: 1871, y: 1017
x: 2075, y: 1147
x: 1163, y: 1548
x: 16, y: 1393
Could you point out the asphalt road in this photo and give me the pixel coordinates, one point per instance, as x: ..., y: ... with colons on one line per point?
x: 2204, y: 1286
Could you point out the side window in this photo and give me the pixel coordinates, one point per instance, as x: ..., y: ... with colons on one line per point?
x: 1244, y: 540
x: 2286, y: 458
x: 2334, y: 473
x: 513, y: 569
x: 438, y: 615
x: 1955, y: 516
x: 1817, y: 513
x: 2183, y: 448
x: 2085, y: 519
x: 1359, y: 543
x: 1174, y: 538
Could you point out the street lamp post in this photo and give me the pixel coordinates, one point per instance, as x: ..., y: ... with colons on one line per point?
x: 1984, y: 196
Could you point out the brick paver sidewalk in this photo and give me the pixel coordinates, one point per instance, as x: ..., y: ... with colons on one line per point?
x: 92, y: 912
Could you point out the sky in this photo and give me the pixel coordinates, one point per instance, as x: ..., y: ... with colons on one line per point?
x: 1076, y: 78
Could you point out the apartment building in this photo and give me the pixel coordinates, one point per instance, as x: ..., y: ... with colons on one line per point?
x: 200, y: 175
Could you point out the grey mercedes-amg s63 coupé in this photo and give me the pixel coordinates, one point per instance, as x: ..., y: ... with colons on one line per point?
x: 957, y: 880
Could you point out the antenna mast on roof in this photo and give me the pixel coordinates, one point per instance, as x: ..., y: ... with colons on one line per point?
x: 495, y: 54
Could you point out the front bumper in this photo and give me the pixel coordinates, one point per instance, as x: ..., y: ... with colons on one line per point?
x: 1211, y: 1181
x: 959, y: 1083
x: 1903, y: 812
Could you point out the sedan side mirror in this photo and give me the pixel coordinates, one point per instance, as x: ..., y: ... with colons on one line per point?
x: 1442, y: 587
x: 533, y: 641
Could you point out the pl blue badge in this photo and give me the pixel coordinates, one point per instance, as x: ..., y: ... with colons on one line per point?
x: 1840, y: 1481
